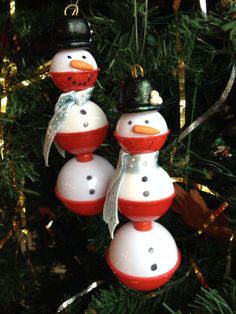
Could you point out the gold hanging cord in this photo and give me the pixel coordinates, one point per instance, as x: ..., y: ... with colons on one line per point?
x: 73, y: 7
x: 137, y: 70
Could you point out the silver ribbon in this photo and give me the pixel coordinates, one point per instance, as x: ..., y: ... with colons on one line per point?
x: 110, y: 209
x: 66, y: 303
x: 213, y: 109
x: 126, y: 164
x: 139, y: 163
x: 207, y: 114
x: 62, y: 109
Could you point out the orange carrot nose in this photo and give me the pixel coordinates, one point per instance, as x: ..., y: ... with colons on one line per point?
x: 81, y: 65
x: 143, y: 129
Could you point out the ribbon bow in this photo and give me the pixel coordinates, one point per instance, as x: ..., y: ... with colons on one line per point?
x: 62, y: 109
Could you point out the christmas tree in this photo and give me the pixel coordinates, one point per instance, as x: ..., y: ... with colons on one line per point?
x: 54, y: 260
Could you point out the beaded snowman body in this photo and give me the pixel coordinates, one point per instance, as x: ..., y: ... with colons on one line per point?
x: 143, y: 254
x: 78, y: 126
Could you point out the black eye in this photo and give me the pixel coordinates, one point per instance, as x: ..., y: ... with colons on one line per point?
x: 84, y: 57
x: 130, y: 122
x: 69, y: 57
x: 146, y: 121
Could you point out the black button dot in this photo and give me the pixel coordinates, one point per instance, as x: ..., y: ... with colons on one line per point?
x: 85, y: 124
x: 130, y: 122
x: 154, y: 267
x: 69, y: 78
x: 146, y: 121
x: 144, y: 179
x: 69, y: 57
x: 92, y: 191
x: 89, y: 177
x: 146, y: 193
x: 84, y: 57
x: 83, y: 111
x: 151, y: 250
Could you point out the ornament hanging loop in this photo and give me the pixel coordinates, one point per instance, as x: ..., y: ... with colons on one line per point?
x: 73, y: 7
x: 137, y: 70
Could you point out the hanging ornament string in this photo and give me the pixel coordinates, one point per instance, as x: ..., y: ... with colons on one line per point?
x: 136, y: 26
x: 181, y: 66
x: 144, y: 30
x: 145, y: 22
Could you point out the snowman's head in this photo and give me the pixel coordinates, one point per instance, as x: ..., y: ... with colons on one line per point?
x: 141, y: 124
x: 74, y: 70
x: 73, y: 60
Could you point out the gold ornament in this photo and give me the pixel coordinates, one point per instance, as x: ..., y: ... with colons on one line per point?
x: 198, y: 273
x: 8, y: 71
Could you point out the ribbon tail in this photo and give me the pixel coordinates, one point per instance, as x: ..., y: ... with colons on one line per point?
x: 47, y: 144
x: 60, y: 150
x: 54, y: 126
x: 110, y: 209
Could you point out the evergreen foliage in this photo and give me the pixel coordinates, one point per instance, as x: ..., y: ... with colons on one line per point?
x: 68, y: 256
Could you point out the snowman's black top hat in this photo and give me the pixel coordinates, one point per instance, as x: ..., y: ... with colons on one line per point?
x: 72, y: 32
x: 135, y: 95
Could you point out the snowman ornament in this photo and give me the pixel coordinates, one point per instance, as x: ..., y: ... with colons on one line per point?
x: 142, y: 254
x: 78, y: 126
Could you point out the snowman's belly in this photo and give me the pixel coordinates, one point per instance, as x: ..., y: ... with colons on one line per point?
x: 143, y: 254
x: 84, y: 118
x: 84, y: 181
x: 147, y: 187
